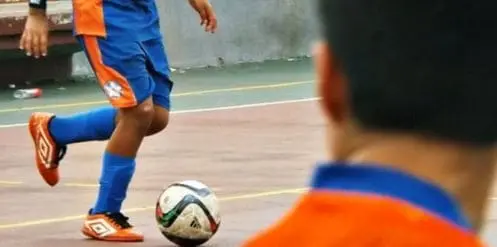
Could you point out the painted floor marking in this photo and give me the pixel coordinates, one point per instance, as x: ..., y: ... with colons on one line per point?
x: 149, y: 208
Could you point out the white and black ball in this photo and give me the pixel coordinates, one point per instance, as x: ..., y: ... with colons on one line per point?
x: 187, y: 213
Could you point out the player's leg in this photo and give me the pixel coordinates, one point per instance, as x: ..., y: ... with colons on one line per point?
x: 158, y: 67
x: 51, y: 134
x: 121, y: 70
x: 161, y: 99
x: 113, y: 192
x: 94, y: 125
x: 160, y: 120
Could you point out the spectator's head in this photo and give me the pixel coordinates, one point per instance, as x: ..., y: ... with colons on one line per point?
x: 423, y: 67
x: 413, y: 85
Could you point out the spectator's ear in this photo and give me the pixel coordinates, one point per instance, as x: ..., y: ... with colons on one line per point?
x: 331, y: 84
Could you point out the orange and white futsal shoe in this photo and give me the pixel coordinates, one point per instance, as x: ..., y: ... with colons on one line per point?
x: 112, y: 227
x: 47, y: 153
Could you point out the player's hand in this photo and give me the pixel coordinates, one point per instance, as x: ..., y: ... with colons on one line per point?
x: 207, y: 16
x: 34, y: 40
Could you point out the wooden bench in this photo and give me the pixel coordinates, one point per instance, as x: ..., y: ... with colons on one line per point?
x: 15, y: 66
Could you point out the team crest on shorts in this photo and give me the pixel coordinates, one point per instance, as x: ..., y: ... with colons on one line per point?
x: 113, y: 90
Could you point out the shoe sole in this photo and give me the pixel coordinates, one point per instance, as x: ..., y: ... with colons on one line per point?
x: 109, y: 239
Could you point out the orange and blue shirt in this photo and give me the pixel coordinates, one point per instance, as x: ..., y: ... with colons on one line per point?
x: 119, y: 19
x: 366, y: 205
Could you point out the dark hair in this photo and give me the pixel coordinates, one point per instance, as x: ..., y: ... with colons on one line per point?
x: 422, y: 66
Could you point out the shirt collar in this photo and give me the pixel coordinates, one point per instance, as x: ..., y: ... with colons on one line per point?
x: 383, y: 181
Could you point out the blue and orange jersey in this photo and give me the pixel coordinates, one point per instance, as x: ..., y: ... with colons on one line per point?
x: 119, y: 19
x: 352, y: 206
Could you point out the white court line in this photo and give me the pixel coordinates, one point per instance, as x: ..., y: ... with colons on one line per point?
x: 222, y: 108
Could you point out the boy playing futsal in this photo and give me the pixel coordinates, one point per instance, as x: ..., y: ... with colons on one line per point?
x: 409, y: 89
x: 123, y: 43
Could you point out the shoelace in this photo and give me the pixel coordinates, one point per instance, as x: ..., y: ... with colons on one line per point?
x: 120, y: 219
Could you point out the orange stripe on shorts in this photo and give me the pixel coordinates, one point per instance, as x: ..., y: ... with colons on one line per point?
x: 116, y: 86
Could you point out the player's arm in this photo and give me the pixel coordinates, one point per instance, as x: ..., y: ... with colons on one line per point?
x: 206, y: 12
x: 34, y: 39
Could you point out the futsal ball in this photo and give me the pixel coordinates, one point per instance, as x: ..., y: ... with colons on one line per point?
x: 187, y: 213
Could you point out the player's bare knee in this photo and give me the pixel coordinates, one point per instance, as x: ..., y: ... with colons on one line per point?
x: 160, y: 121
x: 141, y: 115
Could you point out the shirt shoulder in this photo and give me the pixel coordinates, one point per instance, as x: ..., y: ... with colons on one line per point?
x: 322, y: 219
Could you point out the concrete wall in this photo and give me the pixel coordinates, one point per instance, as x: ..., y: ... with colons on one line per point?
x: 249, y: 31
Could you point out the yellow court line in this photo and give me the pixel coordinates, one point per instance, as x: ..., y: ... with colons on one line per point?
x: 10, y: 182
x: 192, y: 93
x: 81, y: 185
x: 142, y: 209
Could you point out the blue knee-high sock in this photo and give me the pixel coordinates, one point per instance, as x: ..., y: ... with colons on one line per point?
x: 94, y: 125
x: 117, y: 172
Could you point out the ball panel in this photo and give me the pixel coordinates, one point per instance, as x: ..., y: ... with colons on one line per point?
x: 198, y: 188
x: 171, y: 197
x: 183, y: 210
x: 206, y: 195
x: 191, y: 224
x: 187, y: 213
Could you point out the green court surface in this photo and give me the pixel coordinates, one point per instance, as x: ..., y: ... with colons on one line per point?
x: 193, y: 89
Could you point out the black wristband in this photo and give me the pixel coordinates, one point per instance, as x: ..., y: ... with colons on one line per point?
x: 38, y: 4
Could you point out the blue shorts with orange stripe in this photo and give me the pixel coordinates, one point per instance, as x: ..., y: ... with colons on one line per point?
x: 129, y: 72
x: 123, y: 43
